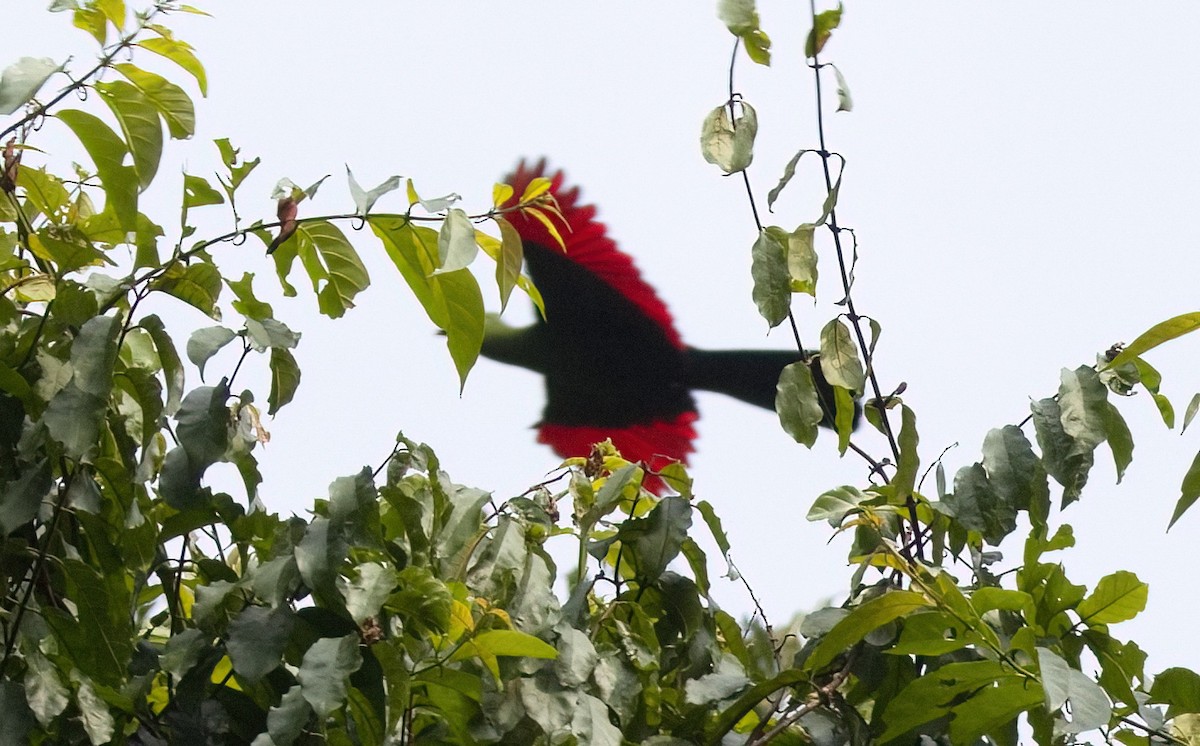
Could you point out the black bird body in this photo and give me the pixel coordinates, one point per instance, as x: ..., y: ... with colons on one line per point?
x: 614, y: 365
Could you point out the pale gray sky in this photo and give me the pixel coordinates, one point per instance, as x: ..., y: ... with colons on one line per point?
x: 1022, y: 179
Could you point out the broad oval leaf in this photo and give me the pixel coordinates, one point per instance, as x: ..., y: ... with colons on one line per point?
x: 21, y: 81
x: 839, y: 357
x: 1118, y: 597
x: 797, y: 403
x: 772, y: 291
x: 729, y: 143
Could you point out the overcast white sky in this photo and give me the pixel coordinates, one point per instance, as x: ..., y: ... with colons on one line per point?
x: 1022, y: 179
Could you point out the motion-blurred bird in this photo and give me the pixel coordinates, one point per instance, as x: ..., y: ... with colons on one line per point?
x: 615, y: 367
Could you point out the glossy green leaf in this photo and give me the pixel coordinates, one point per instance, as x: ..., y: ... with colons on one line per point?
x: 772, y: 291
x: 180, y: 53
x: 977, y: 506
x: 839, y: 357
x: 74, y: 418
x: 325, y: 671
x: 1118, y: 597
x: 655, y: 540
x: 1161, y: 332
x: 729, y: 143
x: 138, y: 119
x: 285, y: 379
x: 21, y: 81
x: 1014, y: 470
x: 171, y: 102
x: 797, y: 403
x: 366, y: 593
x: 206, y: 342
x: 108, y: 152
x: 992, y: 709
x: 862, y: 620
x: 99, y: 635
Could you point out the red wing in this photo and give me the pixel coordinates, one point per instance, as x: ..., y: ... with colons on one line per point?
x: 588, y: 244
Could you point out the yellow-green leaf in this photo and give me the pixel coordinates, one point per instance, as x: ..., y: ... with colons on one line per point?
x: 171, y: 101
x: 180, y: 53
x: 138, y: 119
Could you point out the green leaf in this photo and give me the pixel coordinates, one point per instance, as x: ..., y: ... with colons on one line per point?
x: 108, y: 152
x: 334, y: 267
x: 257, y: 638
x: 22, y: 497
x: 365, y: 200
x: 198, y: 284
x: 861, y: 621
x: 1179, y: 689
x: 247, y: 304
x: 788, y: 172
x: 138, y: 119
x: 202, y: 424
x: 324, y: 672
x: 823, y: 25
x: 74, y: 418
x: 741, y: 18
x: 264, y: 334
x: 171, y: 102
x: 98, y: 722
x: 933, y: 695
x: 318, y: 556
x: 18, y: 718
x: 797, y: 403
x: 44, y: 690
x: 836, y: 504
x: 206, y: 342
x: 1190, y: 489
x: 1161, y: 332
x: 1082, y: 401
x: 801, y: 259
x: 512, y: 257
x: 423, y: 600
x: 1089, y: 706
x: 456, y: 241
x: 366, y: 593
x: 197, y: 192
x: 992, y: 708
x: 1120, y: 440
x: 1192, y: 407
x: 845, y: 101
x: 21, y: 81
x: 99, y: 637
x: 1118, y: 597
x: 839, y: 357
x: 655, y: 540
x: 286, y: 720
x: 729, y: 143
x: 179, y: 52
x: 977, y: 506
x: 285, y: 379
x: 772, y: 291
x: 1014, y: 470
x: 910, y: 461
x: 505, y: 642
x: 1065, y: 459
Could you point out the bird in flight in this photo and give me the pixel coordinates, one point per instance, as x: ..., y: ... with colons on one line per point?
x: 614, y: 365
